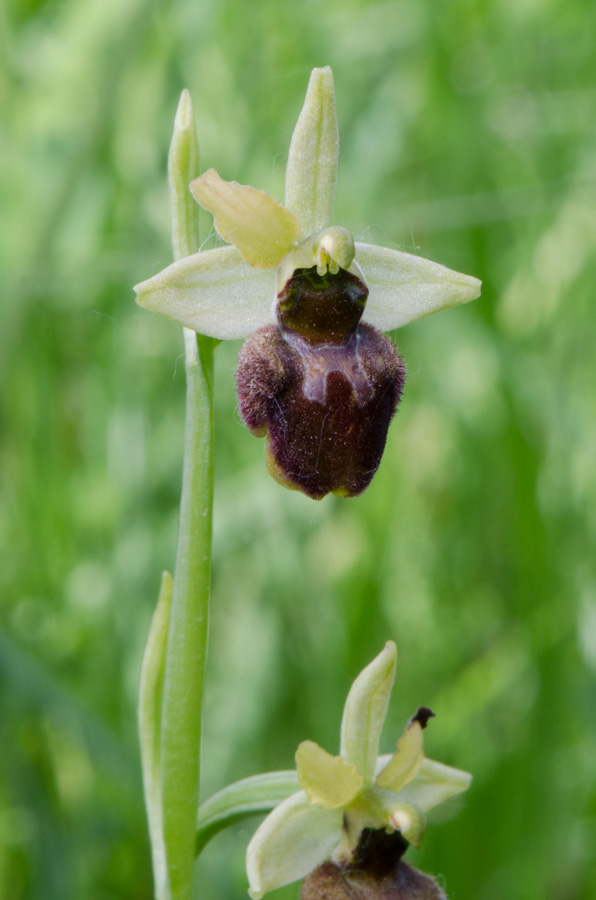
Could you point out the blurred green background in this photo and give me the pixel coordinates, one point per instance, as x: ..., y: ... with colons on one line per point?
x: 467, y: 136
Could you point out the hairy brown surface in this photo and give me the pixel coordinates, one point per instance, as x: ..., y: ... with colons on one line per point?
x: 377, y: 873
x: 326, y: 408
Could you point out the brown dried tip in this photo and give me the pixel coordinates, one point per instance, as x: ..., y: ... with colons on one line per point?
x: 422, y: 715
x: 377, y: 873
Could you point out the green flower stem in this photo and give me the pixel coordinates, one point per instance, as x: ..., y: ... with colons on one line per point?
x: 174, y: 663
x: 187, y: 638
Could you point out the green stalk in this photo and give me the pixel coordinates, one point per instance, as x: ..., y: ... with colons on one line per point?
x: 174, y: 663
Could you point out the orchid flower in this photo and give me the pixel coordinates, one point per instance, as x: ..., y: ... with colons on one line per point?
x: 343, y: 795
x: 316, y: 376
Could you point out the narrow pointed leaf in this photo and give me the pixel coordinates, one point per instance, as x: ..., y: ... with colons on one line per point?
x: 262, y: 229
x: 434, y: 783
x: 214, y: 292
x: 292, y: 841
x: 405, y: 762
x: 258, y: 794
x: 365, y: 711
x: 150, y: 701
x: 311, y: 173
x: 329, y: 781
x: 404, y: 287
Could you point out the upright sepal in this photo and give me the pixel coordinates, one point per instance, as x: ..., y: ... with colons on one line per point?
x: 311, y: 172
x: 365, y: 711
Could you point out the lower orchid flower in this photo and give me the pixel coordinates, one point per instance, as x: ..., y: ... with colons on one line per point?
x: 316, y: 376
x: 346, y: 798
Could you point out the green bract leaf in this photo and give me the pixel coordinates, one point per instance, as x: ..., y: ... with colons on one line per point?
x: 311, y: 172
x: 292, y: 841
x: 150, y: 710
x: 262, y: 229
x: 404, y: 287
x: 214, y: 292
x: 365, y: 711
x: 248, y: 797
x: 405, y: 762
x: 329, y: 781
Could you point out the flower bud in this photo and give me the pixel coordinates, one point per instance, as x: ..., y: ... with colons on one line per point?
x: 321, y: 386
x: 377, y: 873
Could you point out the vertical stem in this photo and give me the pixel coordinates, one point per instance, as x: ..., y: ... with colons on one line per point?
x: 179, y: 671
x: 187, y: 639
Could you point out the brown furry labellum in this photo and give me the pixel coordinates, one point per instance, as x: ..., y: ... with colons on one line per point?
x: 322, y: 386
x: 377, y: 873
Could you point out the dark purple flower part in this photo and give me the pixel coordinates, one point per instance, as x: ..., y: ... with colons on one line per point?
x: 377, y: 872
x: 321, y: 385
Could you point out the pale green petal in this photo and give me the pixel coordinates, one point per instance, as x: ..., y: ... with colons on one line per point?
x: 292, y: 841
x: 311, y: 172
x: 406, y: 761
x: 365, y: 711
x: 214, y: 292
x: 404, y: 287
x: 329, y: 781
x: 261, y: 228
x: 434, y: 783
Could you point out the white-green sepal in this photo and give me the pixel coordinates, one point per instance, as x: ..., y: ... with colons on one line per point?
x: 403, y: 287
x: 365, y: 711
x: 292, y: 841
x: 434, y: 783
x: 311, y: 173
x: 214, y: 292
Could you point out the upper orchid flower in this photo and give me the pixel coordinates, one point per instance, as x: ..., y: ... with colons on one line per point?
x: 343, y: 796
x: 319, y: 382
